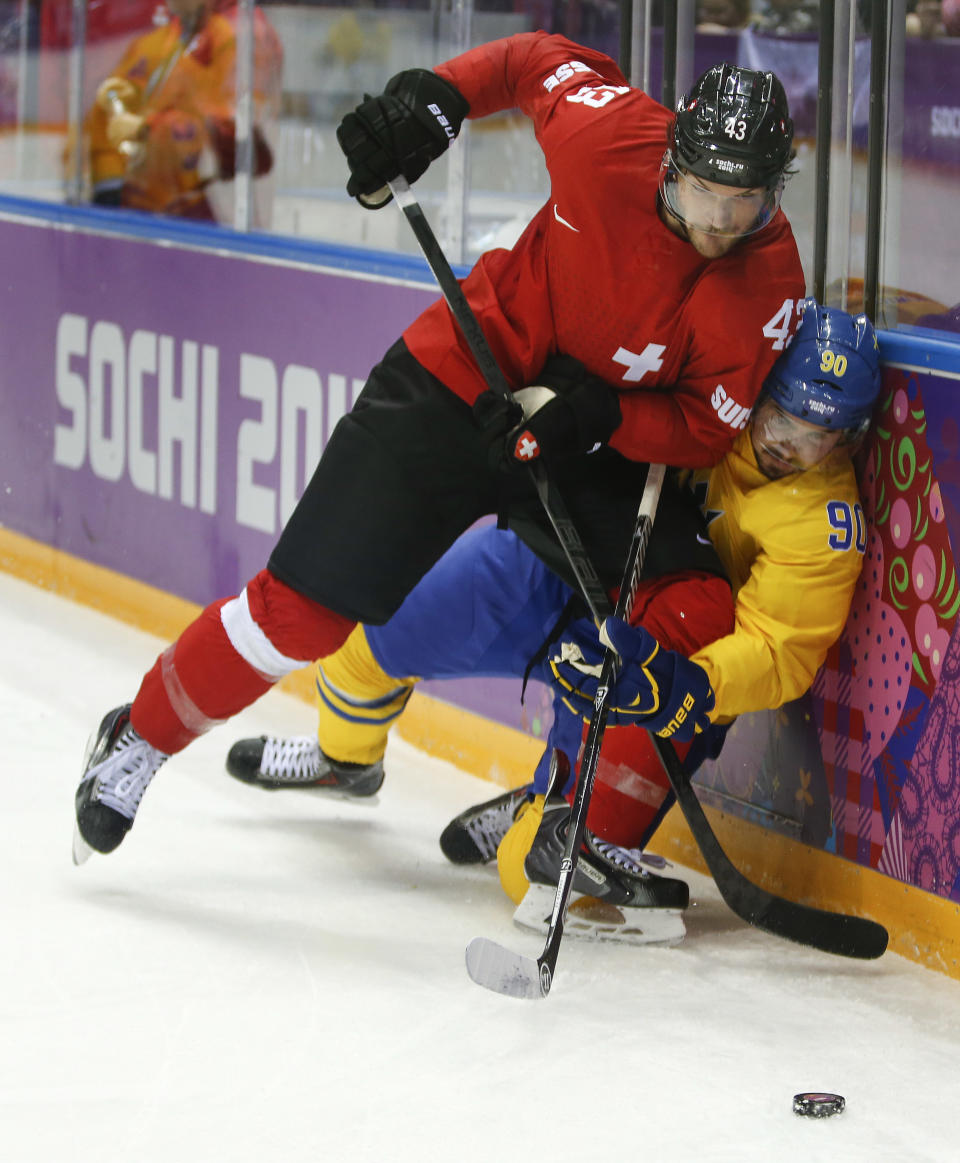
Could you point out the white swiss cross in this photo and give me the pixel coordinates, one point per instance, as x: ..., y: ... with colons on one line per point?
x: 527, y: 447
x: 638, y: 365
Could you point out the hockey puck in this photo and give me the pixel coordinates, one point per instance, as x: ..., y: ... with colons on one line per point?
x: 815, y: 1105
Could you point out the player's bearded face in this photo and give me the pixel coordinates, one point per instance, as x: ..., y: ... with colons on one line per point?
x: 785, y: 444
x: 714, y: 216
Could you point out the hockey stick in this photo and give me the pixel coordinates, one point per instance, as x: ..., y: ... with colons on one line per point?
x: 488, y: 963
x: 493, y: 965
x: 838, y: 933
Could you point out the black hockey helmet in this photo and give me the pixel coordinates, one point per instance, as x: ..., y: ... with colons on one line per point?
x: 734, y: 128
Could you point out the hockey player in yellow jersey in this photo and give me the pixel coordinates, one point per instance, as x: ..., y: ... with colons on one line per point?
x: 793, y: 548
x: 783, y: 512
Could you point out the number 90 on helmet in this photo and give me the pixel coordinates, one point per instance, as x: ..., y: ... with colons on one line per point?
x: 829, y: 375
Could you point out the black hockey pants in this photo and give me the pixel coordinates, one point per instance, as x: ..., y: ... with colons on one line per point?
x: 408, y: 470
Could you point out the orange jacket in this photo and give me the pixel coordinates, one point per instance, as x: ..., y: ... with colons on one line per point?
x: 186, y: 95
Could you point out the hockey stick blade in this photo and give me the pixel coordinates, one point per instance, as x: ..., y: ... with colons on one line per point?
x: 511, y: 974
x: 836, y: 933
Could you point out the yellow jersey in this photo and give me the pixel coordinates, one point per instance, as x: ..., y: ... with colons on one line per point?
x: 793, y: 549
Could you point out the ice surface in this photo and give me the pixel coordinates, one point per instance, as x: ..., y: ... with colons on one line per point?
x: 269, y: 977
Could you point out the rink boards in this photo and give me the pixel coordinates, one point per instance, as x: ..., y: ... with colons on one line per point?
x: 164, y: 400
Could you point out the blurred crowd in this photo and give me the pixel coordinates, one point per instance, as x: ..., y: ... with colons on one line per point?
x: 925, y: 18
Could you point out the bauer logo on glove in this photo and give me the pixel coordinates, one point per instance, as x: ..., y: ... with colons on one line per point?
x: 657, y: 689
x: 399, y: 133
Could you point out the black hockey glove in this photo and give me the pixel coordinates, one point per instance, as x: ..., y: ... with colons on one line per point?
x: 569, y: 410
x: 497, y: 416
x: 658, y: 689
x: 399, y: 133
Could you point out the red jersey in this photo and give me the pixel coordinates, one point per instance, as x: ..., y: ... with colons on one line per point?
x: 687, y: 341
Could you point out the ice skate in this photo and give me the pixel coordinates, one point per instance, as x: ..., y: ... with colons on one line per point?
x: 614, y: 897
x: 297, y: 762
x: 474, y: 836
x: 118, y: 769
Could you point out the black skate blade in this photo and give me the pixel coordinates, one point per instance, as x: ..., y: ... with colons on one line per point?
x: 341, y: 796
x: 505, y: 972
x: 81, y: 850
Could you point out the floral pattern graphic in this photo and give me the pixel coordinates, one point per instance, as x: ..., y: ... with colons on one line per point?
x: 884, y: 716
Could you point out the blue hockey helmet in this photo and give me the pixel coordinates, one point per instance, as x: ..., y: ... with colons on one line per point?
x: 830, y: 374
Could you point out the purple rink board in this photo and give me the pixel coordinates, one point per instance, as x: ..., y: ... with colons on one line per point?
x: 163, y: 405
x: 156, y: 398
x: 152, y: 394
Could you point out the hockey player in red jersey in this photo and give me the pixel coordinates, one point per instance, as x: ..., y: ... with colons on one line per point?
x: 649, y: 296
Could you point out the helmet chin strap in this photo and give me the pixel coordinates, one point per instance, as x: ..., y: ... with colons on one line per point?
x: 670, y: 220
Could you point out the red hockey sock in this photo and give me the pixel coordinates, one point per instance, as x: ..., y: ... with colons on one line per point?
x: 630, y: 789
x: 227, y: 659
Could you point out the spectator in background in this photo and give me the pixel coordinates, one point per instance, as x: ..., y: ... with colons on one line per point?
x: 950, y: 11
x: 267, y: 59
x: 722, y: 15
x: 352, y: 60
x: 787, y: 16
x: 162, y: 128
x: 925, y: 19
